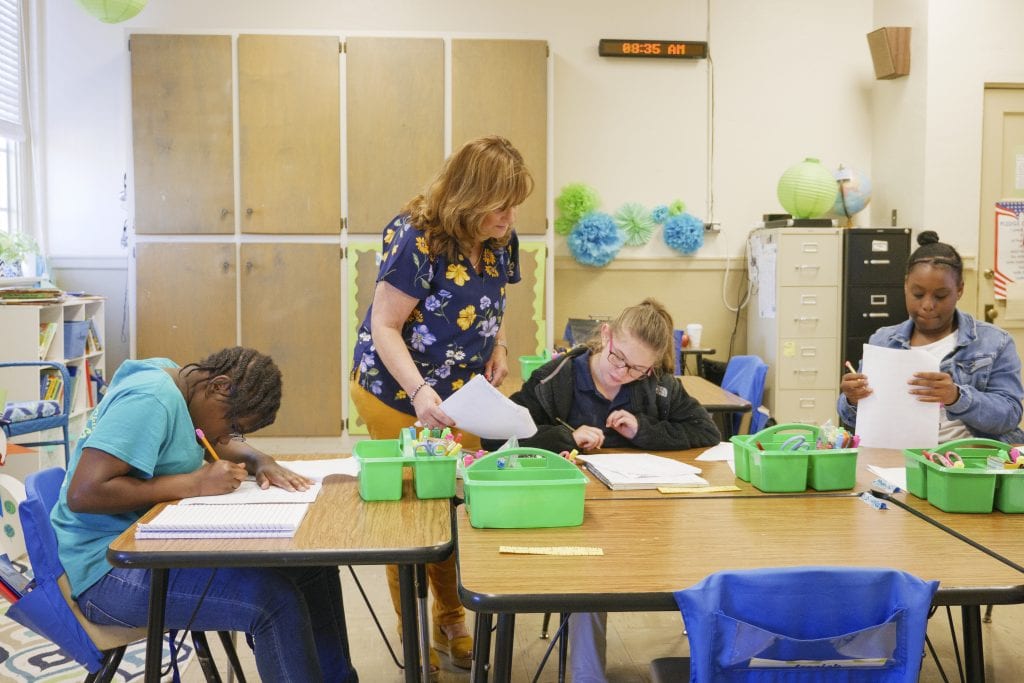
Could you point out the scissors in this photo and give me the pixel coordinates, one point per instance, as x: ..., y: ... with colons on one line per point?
x: 947, y: 459
x: 797, y: 442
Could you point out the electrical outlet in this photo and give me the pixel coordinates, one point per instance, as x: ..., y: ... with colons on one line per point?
x: 712, y: 227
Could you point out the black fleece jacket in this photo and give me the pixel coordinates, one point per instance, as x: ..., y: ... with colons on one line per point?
x: 669, y: 418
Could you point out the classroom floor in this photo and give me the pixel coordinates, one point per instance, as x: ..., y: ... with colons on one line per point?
x: 633, y: 640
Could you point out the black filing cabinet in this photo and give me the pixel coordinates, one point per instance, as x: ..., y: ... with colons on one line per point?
x: 874, y: 263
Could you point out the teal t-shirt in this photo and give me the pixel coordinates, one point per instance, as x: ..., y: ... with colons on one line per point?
x: 144, y: 421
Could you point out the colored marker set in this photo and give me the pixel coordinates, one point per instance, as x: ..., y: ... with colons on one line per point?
x: 832, y: 437
x: 430, y: 442
x: 968, y: 475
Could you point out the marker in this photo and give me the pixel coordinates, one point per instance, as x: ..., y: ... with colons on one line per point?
x: 759, y: 446
x: 849, y: 366
x: 572, y: 455
x: 209, y: 448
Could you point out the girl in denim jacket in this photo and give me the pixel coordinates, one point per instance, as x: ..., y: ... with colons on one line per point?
x: 978, y: 383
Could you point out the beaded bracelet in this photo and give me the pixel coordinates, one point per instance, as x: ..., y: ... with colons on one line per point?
x: 412, y: 396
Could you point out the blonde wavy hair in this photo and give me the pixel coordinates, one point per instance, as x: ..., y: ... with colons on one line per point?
x: 650, y: 324
x: 485, y: 175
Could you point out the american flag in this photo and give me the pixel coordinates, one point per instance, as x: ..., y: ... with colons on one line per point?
x: 1012, y: 209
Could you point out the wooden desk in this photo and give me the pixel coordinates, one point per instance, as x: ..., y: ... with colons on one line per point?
x: 654, y: 548
x: 340, y: 528
x: 699, y: 353
x: 715, y: 399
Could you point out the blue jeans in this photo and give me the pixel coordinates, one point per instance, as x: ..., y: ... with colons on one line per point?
x: 294, y: 615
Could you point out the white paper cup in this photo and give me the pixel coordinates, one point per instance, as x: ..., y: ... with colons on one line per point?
x: 693, y: 331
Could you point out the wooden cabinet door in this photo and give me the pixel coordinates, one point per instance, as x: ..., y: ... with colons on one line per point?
x: 182, y: 134
x: 185, y: 300
x: 291, y: 309
x: 501, y: 87
x: 395, y: 118
x: 289, y: 134
x: 362, y: 269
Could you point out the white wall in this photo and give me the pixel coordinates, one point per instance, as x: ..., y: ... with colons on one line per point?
x: 792, y: 78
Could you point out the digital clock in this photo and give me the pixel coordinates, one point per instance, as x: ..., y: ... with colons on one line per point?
x: 657, y: 49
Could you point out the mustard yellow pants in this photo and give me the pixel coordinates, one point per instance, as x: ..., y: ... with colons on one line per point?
x: 384, y: 422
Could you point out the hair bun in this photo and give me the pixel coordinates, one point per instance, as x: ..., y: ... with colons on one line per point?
x: 928, y: 237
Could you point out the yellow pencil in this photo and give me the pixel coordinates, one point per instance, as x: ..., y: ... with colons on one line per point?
x: 202, y: 437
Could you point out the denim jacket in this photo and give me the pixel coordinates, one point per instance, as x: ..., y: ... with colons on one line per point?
x: 986, y: 368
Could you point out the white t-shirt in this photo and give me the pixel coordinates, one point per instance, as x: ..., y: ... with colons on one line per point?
x: 948, y: 429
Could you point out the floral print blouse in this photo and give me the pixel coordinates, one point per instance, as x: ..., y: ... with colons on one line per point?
x: 451, y: 331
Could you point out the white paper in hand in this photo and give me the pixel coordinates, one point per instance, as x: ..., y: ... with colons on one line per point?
x: 892, y: 417
x: 481, y: 409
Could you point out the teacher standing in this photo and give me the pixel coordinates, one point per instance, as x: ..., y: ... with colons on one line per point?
x: 437, y: 319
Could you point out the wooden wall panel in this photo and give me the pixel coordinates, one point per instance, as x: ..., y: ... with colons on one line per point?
x: 395, y: 119
x: 500, y: 87
x: 291, y: 309
x: 185, y: 299
x: 290, y: 134
x: 362, y: 281
x: 182, y: 134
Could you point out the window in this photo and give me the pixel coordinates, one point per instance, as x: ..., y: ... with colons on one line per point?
x: 12, y: 128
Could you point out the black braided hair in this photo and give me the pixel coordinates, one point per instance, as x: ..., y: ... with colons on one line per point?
x: 255, y: 383
x: 936, y: 253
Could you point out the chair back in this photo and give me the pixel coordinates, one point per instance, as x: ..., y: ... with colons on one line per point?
x: 745, y: 377
x: 47, y: 609
x: 677, y: 343
x: 801, y: 624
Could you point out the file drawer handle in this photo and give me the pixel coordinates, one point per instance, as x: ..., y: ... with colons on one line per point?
x: 809, y: 247
x: 809, y: 351
x: 874, y: 315
x: 808, y: 402
x: 808, y: 299
x: 806, y: 319
x: 877, y: 262
x: 879, y: 299
x: 806, y: 371
x: 807, y: 266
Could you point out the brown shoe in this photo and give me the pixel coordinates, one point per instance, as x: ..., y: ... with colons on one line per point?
x: 435, y: 661
x: 459, y: 649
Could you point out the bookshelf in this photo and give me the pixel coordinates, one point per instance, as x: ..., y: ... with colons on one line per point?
x: 26, y: 328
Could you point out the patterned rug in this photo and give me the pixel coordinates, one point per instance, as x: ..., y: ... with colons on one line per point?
x: 25, y: 656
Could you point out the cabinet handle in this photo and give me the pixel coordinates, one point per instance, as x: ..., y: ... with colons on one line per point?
x: 877, y: 262
x: 225, y: 267
x: 808, y: 351
x: 874, y: 315
x: 808, y: 402
x: 879, y: 299
x: 809, y: 247
x: 248, y: 266
x: 224, y: 213
x: 808, y: 299
x: 248, y: 211
x: 807, y: 266
x: 806, y: 319
x: 806, y: 371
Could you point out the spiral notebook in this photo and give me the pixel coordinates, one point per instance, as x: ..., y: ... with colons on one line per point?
x: 267, y: 520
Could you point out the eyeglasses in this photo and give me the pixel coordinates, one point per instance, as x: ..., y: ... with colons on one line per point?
x: 619, y: 361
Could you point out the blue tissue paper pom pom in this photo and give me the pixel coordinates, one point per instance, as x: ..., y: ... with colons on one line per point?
x: 596, y: 239
x: 684, y: 233
x: 659, y: 214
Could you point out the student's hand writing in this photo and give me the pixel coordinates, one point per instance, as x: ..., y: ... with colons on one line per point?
x: 496, y: 369
x: 587, y: 437
x: 428, y: 409
x: 934, y: 387
x: 624, y: 422
x: 854, y: 386
x: 223, y: 476
x: 269, y: 472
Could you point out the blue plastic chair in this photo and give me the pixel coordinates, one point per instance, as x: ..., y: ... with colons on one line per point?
x: 803, y: 624
x: 49, y: 610
x: 745, y: 377
x: 39, y: 424
x: 677, y: 338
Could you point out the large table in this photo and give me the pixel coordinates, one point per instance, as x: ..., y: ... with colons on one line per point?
x: 654, y: 546
x: 339, y: 529
x: 715, y: 399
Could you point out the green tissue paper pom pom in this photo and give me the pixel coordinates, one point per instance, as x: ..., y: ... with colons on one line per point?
x: 564, y: 226
x: 677, y: 207
x: 576, y: 201
x: 636, y: 223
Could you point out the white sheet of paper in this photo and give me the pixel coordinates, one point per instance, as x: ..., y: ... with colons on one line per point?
x: 891, y: 417
x: 317, y: 470
x: 481, y: 409
x: 250, y: 493
x: 897, y: 476
x: 721, y: 453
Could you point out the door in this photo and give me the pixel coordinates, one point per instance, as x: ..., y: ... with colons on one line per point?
x: 1002, y: 181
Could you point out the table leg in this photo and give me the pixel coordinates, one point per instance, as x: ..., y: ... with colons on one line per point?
x: 563, y: 645
x: 155, y: 634
x: 410, y: 640
x: 503, y: 648
x: 421, y: 604
x: 481, y: 647
x: 974, y: 653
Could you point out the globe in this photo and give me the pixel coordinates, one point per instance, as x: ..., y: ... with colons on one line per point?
x: 854, y: 192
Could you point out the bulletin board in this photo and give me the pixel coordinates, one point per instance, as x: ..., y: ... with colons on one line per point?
x: 1009, y: 241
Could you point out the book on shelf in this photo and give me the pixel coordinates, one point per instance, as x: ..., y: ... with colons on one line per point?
x: 51, y: 385
x: 47, y: 331
x: 625, y: 471
x: 97, y: 383
x: 13, y: 582
x: 93, y: 343
x: 264, y: 520
x: 74, y: 377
